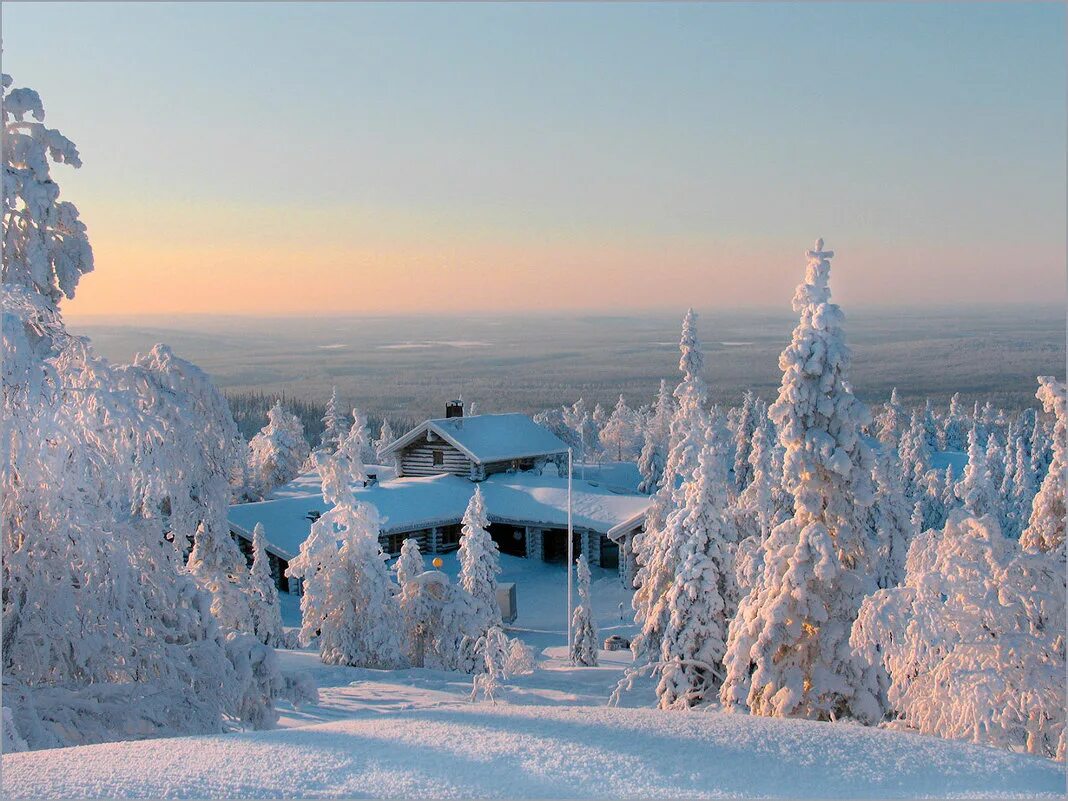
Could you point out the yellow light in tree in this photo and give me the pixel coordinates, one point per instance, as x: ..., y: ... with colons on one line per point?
x: 437, y: 561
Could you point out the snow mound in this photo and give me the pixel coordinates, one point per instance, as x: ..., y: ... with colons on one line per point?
x: 485, y: 751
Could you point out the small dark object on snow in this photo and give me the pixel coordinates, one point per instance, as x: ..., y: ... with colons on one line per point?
x: 616, y: 643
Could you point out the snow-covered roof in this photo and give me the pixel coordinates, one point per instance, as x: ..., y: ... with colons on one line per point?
x: 411, y: 504
x: 488, y: 437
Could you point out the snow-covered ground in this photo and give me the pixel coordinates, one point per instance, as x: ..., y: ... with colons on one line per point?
x: 414, y: 733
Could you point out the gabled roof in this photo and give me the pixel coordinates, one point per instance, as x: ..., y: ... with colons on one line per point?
x: 409, y: 504
x: 488, y: 437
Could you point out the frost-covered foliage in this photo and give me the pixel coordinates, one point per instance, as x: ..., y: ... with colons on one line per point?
x: 654, y: 551
x: 349, y: 600
x: 583, y: 632
x: 520, y: 661
x: 277, y: 453
x: 696, y: 601
x: 1045, y: 531
x: 480, y: 562
x: 788, y: 647
x: 333, y: 424
x: 46, y: 247
x: 957, y: 424
x: 493, y: 649
x: 263, y: 594
x: 108, y: 471
x: 973, y: 641
x: 891, y: 421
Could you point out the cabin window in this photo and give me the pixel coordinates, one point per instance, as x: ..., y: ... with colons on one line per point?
x: 439, y: 458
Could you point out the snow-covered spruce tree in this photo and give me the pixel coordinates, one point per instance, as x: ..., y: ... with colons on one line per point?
x: 975, y: 490
x: 349, y: 600
x: 931, y: 429
x: 583, y: 632
x: 480, y: 562
x: 277, y: 453
x: 655, y: 437
x: 1023, y: 493
x: 788, y: 651
x: 762, y: 506
x: 654, y: 553
x: 995, y: 465
x: 104, y: 636
x: 915, y: 455
x: 620, y: 435
x: 492, y: 648
x: 266, y: 613
x: 743, y: 423
x: 955, y: 430
x: 333, y: 424
x: 1045, y: 530
x: 356, y: 446
x: 408, y: 567
x: 692, y: 645
x: 891, y: 421
x: 889, y: 520
x: 385, y: 437
x: 973, y: 641
x: 220, y: 568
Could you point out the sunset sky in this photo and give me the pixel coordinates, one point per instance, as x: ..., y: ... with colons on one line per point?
x: 332, y: 158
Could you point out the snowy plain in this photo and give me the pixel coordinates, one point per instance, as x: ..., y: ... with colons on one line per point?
x: 415, y: 734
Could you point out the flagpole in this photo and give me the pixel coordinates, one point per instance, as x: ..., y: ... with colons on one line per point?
x: 570, y: 552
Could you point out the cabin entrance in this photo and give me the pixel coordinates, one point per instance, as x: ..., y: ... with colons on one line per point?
x: 554, y: 545
x: 609, y: 554
x: 510, y: 539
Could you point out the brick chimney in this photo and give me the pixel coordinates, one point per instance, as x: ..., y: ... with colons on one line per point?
x: 454, y: 408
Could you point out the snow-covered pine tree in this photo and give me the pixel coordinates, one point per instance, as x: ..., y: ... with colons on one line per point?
x: 931, y: 429
x: 408, y: 567
x: 492, y: 648
x: 761, y: 506
x: 385, y: 437
x: 1022, y: 492
x: 656, y: 435
x: 356, y: 446
x: 955, y: 431
x: 788, y: 651
x: 743, y: 423
x: 973, y: 641
x: 480, y: 563
x: 891, y: 421
x: 349, y: 600
x: 583, y: 632
x: 695, y: 604
x: 975, y: 490
x: 620, y: 435
x: 333, y: 424
x: 105, y: 637
x: 889, y: 521
x: 266, y: 612
x: 277, y: 453
x: 220, y: 568
x: 995, y: 464
x: 1045, y: 530
x: 915, y: 455
x: 653, y: 552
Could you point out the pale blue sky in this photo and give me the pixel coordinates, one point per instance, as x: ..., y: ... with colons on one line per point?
x: 407, y: 146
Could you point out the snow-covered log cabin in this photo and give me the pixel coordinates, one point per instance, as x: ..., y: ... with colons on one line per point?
x: 522, y: 469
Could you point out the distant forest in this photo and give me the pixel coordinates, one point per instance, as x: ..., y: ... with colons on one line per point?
x: 250, y: 414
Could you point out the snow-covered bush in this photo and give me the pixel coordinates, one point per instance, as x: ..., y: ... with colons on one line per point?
x: 520, y: 661
x: 973, y: 641
x: 788, y: 651
x: 583, y: 631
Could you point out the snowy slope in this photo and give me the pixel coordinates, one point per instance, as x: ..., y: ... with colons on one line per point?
x: 463, y: 750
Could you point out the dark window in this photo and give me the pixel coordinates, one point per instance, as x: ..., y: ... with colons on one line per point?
x: 439, y: 458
